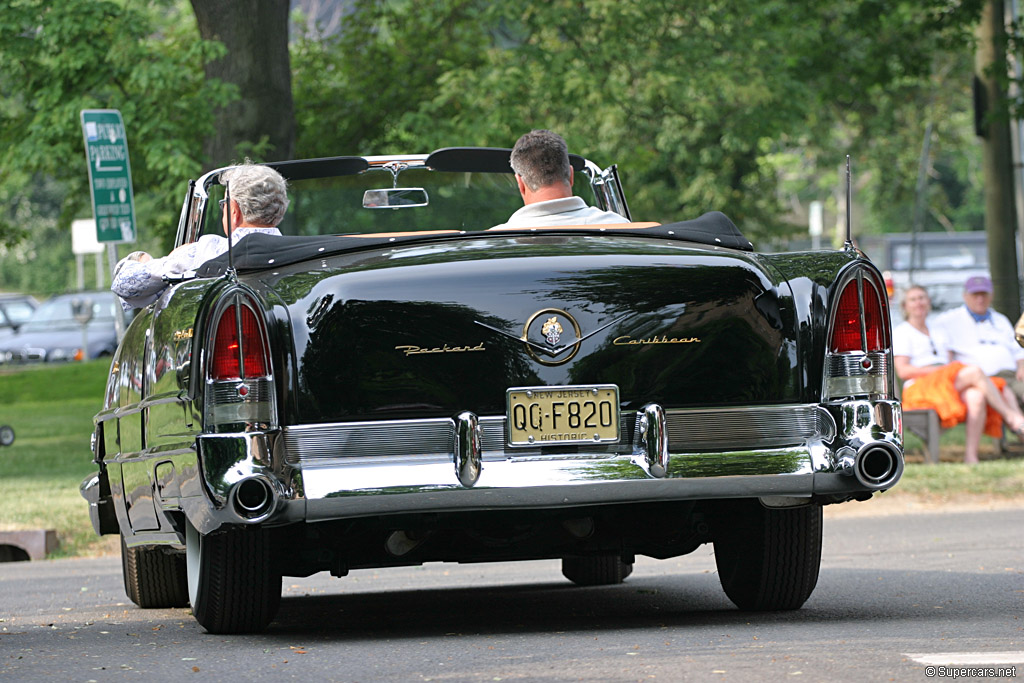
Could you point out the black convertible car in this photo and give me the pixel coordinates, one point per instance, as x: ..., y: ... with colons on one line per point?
x: 393, y: 383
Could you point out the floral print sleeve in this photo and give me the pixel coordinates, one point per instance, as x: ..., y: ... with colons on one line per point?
x: 139, y: 284
x: 136, y: 283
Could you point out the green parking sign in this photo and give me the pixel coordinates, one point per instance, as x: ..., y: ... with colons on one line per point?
x: 110, y: 175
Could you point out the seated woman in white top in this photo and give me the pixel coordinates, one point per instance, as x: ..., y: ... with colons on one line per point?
x: 957, y: 392
x: 259, y: 199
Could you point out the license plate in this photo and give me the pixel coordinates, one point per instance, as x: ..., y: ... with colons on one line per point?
x: 540, y: 416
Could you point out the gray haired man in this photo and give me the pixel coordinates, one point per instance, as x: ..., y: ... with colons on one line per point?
x: 258, y: 200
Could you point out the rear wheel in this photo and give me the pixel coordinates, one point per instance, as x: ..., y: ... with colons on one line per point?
x: 600, y: 570
x: 6, y: 435
x: 232, y: 585
x: 154, y: 577
x: 768, y: 559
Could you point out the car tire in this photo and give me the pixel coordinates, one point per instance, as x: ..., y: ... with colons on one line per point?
x: 768, y: 560
x: 232, y: 584
x: 154, y: 577
x: 599, y: 570
x: 6, y: 435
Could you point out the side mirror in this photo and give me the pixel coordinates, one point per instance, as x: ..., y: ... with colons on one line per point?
x: 82, y: 310
x: 395, y: 198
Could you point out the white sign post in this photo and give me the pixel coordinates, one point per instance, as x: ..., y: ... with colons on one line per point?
x: 816, y: 223
x: 83, y: 241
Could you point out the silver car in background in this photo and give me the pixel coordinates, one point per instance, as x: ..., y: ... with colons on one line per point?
x: 53, y: 333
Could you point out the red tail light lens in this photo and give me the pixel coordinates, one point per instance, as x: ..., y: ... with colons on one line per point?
x: 846, y: 330
x: 225, y: 363
x: 873, y: 320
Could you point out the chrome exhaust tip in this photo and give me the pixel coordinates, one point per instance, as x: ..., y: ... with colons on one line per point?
x: 875, y: 466
x: 253, y: 498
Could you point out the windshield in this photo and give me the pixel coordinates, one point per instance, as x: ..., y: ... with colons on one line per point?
x: 457, y: 201
x: 57, y: 312
x: 17, y: 311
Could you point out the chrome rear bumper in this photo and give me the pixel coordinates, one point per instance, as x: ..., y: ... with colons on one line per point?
x: 325, y: 472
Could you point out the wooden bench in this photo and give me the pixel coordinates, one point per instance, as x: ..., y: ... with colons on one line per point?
x: 925, y: 425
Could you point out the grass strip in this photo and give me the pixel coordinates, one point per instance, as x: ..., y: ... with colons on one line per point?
x: 50, y: 408
x: 997, y: 478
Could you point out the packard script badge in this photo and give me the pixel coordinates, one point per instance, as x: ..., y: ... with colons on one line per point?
x: 552, y: 330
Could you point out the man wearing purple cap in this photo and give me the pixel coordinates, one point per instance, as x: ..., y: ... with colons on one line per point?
x: 978, y: 335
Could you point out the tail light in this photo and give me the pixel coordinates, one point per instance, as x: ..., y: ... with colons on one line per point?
x: 857, y: 361
x: 846, y: 332
x: 239, y: 381
x: 858, y: 323
x: 233, y: 359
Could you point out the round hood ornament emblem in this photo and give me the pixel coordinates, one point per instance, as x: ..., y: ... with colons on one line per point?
x: 548, y: 326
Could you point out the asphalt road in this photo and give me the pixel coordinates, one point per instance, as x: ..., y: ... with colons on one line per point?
x: 893, y: 591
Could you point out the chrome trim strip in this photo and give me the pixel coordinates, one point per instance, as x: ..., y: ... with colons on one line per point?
x: 688, y: 430
x: 739, y: 428
x: 384, y: 439
x: 163, y: 399
x: 223, y: 392
x: 851, y: 364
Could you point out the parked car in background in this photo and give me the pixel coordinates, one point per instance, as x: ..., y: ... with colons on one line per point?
x: 395, y: 382
x: 940, y: 262
x: 54, y: 334
x: 15, y: 309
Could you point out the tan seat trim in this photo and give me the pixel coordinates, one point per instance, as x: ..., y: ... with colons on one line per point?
x: 591, y: 226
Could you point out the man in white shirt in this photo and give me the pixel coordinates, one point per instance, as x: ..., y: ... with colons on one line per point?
x: 978, y: 335
x: 259, y: 199
x: 540, y: 160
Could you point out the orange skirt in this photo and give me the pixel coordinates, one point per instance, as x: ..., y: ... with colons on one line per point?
x: 937, y: 391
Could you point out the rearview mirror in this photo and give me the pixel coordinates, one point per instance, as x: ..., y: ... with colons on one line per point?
x: 395, y: 198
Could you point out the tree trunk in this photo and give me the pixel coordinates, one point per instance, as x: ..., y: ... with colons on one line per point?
x: 262, y: 123
x: 997, y: 163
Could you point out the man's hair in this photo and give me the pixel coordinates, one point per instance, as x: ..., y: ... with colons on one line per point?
x: 541, y: 159
x: 261, y: 192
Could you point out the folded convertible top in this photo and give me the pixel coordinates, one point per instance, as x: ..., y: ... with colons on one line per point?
x: 259, y: 251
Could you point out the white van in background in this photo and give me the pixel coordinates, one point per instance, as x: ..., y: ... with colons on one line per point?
x: 938, y: 261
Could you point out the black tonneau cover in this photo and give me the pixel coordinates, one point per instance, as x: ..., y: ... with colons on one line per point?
x: 258, y: 251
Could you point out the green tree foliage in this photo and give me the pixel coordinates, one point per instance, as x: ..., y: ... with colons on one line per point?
x: 354, y: 89
x: 746, y: 106
x: 57, y: 58
x: 716, y: 105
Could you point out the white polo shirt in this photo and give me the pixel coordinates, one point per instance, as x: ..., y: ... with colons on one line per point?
x: 989, y: 344
x: 565, y: 211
